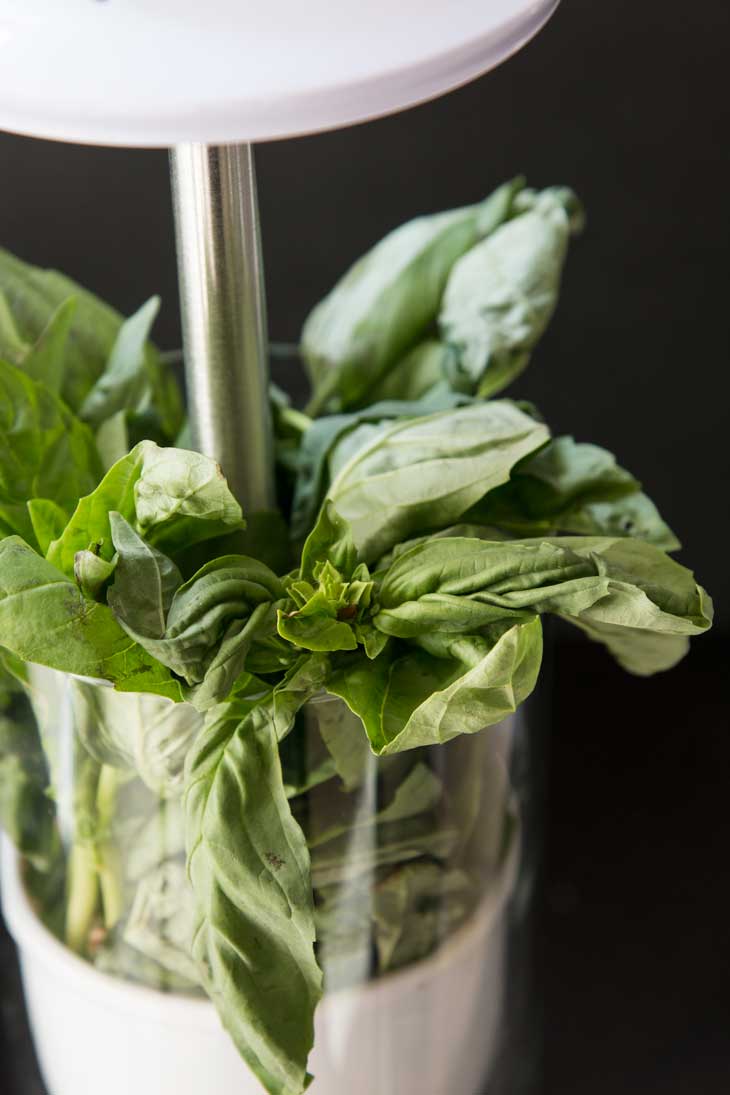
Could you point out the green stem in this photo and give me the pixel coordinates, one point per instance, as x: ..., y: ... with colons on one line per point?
x: 108, y: 860
x: 82, y: 893
x: 297, y: 420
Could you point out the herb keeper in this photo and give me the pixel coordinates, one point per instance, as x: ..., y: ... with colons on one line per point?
x: 267, y: 748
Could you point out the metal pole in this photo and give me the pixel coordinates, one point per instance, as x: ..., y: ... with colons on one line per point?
x: 224, y: 315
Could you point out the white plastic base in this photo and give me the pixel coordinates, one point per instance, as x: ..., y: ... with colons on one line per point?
x: 430, y: 1030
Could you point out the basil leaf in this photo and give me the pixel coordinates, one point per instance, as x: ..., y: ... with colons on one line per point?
x: 161, y: 920
x: 145, y: 581
x: 44, y: 618
x: 423, y: 371
x: 332, y: 611
x: 330, y: 541
x: 389, y: 299
x: 92, y: 574
x: 249, y: 867
x: 172, y: 497
x: 44, y: 361
x: 13, y: 348
x: 124, y: 384
x: 343, y: 736
x: 45, y: 452
x: 48, y: 520
x: 425, y: 473
x: 501, y: 295
x: 574, y: 487
x: 33, y: 295
x: 149, y: 734
x: 409, y: 698
x: 324, y: 436
x: 599, y: 583
x: 26, y: 809
x: 417, y: 907
x: 203, y: 631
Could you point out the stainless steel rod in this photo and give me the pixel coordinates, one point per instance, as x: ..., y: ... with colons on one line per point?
x: 224, y: 314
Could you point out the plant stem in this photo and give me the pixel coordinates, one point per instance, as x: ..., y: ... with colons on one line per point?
x: 82, y: 892
x: 107, y: 854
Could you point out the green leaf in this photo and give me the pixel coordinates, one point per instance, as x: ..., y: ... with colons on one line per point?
x: 33, y: 295
x: 501, y: 295
x: 425, y: 473
x: 330, y: 541
x: 572, y: 487
x: 328, y: 608
x: 45, y: 618
x: 424, y: 368
x: 408, y: 698
x: 385, y: 304
x: 44, y: 361
x: 48, y: 521
x: 26, y: 810
x: 172, y: 497
x: 181, y: 498
x: 148, y: 734
x: 161, y: 920
x: 92, y: 573
x: 45, y: 452
x: 342, y: 433
x: 13, y: 348
x: 145, y: 581
x: 418, y: 906
x: 249, y: 867
x: 343, y: 735
x: 599, y: 583
x: 211, y: 621
x: 89, y: 524
x: 124, y: 384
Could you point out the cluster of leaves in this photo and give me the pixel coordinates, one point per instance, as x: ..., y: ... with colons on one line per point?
x: 432, y: 528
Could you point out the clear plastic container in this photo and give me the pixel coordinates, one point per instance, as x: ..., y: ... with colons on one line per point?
x: 422, y: 869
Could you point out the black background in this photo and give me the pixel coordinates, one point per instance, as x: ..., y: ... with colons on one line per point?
x: 627, y: 102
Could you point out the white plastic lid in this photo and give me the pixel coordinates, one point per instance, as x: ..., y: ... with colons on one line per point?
x: 161, y: 72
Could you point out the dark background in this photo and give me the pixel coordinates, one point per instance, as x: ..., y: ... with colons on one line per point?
x: 628, y: 103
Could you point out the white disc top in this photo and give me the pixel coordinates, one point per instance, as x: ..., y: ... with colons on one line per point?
x: 160, y: 72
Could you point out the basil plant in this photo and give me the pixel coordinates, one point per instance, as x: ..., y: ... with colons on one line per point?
x: 430, y: 526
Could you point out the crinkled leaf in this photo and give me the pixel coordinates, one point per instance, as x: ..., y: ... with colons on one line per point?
x: 172, y: 497
x: 249, y: 867
x: 572, y: 487
x: 211, y: 620
x: 409, y: 697
x: 161, y: 920
x: 501, y: 295
x: 424, y: 474
x: 149, y: 734
x: 45, y: 618
x: 325, y: 436
x: 389, y: 298
x: 416, y: 908
x: 145, y: 581
x: 453, y: 585
x: 92, y: 573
